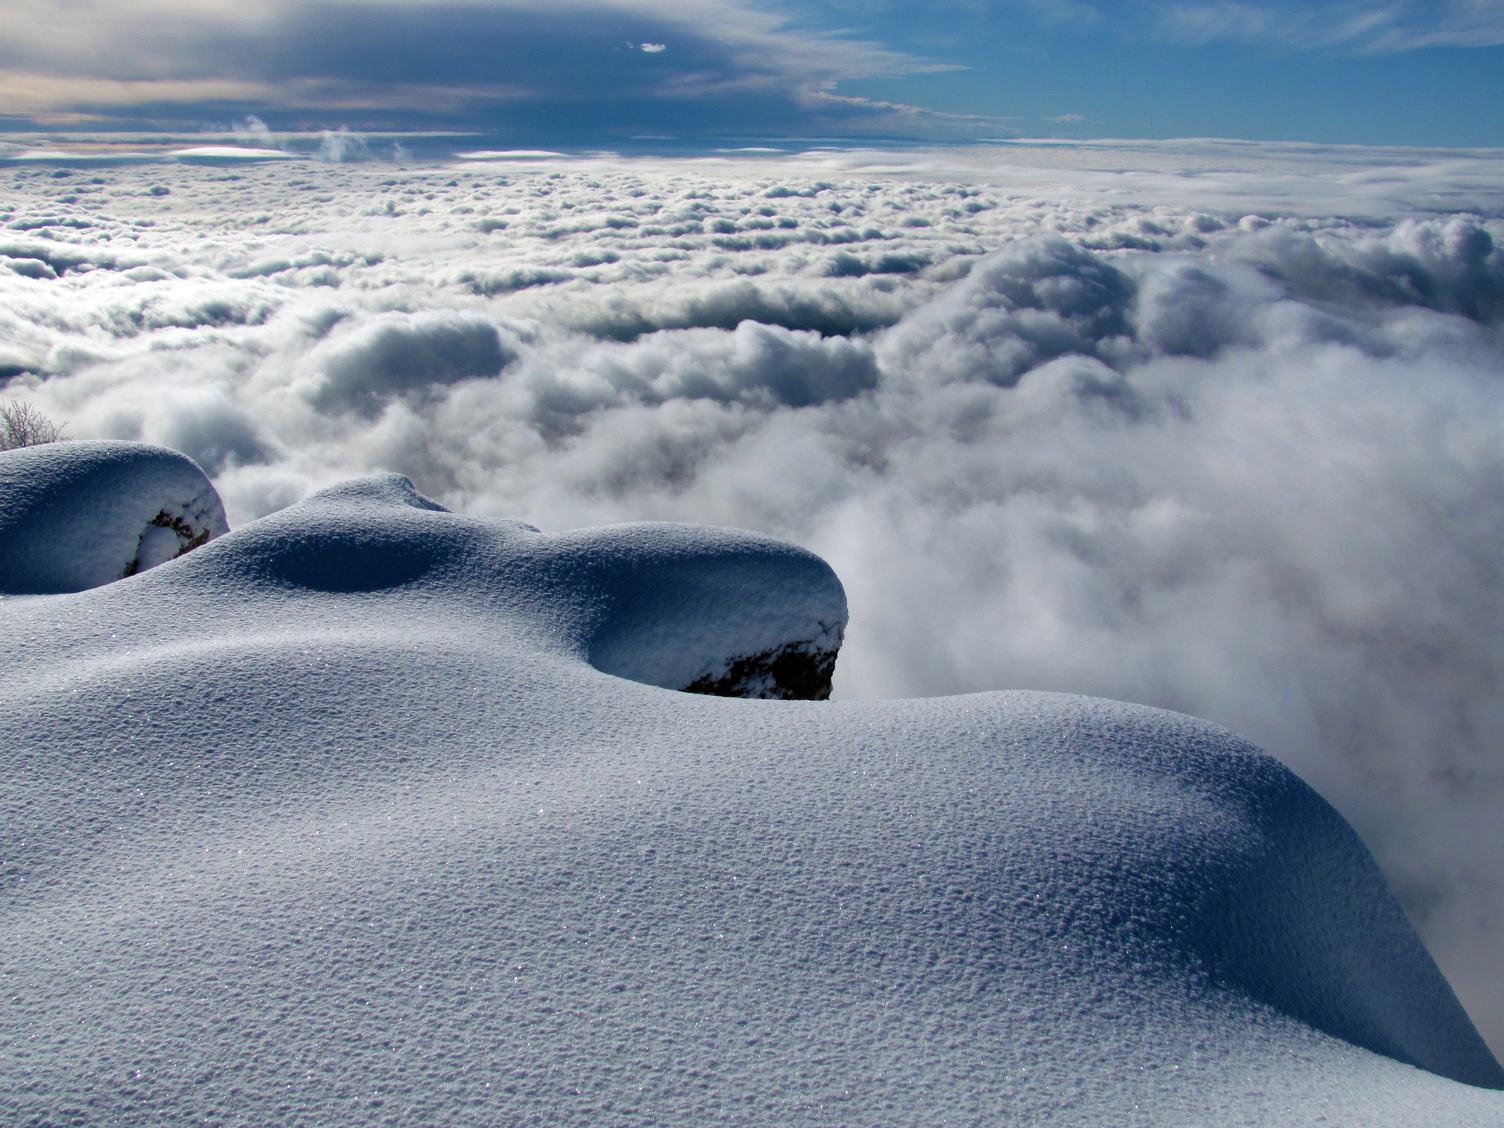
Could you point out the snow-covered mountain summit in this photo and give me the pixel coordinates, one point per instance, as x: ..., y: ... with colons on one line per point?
x: 372, y: 813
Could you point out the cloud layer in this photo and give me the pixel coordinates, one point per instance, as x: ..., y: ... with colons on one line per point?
x: 597, y: 67
x: 1226, y: 443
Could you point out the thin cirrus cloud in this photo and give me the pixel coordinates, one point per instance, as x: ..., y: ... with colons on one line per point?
x: 1368, y: 27
x: 1359, y: 25
x: 618, y: 63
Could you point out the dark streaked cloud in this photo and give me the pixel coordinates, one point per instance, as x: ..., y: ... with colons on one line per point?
x: 511, y: 64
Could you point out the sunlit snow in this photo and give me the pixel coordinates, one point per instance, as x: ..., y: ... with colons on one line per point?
x: 1208, y: 426
x: 332, y: 818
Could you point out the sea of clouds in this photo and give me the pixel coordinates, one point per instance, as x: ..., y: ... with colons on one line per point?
x: 1217, y: 428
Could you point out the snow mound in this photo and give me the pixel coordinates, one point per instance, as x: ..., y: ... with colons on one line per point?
x: 77, y: 515
x: 343, y: 818
x: 715, y: 611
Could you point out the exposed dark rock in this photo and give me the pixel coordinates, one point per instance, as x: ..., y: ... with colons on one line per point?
x: 800, y: 671
x: 187, y: 535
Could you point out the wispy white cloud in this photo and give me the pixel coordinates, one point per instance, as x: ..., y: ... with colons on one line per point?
x: 1067, y: 11
x: 33, y: 95
x: 336, y: 145
x: 1362, y: 25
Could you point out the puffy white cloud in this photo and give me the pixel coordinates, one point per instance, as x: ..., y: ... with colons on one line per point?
x: 1227, y: 442
x: 1019, y: 308
x: 363, y: 367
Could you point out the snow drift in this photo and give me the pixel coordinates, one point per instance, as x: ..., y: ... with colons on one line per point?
x: 77, y: 515
x: 333, y: 819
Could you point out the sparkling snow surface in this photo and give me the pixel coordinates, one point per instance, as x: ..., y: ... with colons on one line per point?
x: 80, y: 514
x: 332, y: 821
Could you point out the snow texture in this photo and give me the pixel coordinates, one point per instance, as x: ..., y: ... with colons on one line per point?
x: 1212, y: 426
x: 714, y: 611
x: 333, y: 821
x: 77, y: 515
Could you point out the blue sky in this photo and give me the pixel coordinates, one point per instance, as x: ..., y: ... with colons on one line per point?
x: 1137, y: 77
x: 1308, y: 72
x: 591, y: 71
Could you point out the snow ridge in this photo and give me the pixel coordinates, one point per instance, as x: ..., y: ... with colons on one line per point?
x: 344, y: 818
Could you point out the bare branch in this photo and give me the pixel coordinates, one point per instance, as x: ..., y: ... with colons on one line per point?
x: 22, y: 425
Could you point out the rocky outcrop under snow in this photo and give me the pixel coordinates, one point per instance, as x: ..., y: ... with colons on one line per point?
x: 76, y: 515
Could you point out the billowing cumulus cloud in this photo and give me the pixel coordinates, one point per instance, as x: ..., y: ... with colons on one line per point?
x: 1217, y: 429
